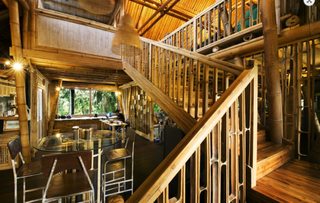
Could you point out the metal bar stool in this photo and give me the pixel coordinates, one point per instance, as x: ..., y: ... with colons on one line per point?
x: 116, y: 181
x: 25, y: 170
x: 62, y: 185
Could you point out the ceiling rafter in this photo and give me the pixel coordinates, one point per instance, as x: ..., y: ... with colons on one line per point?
x: 159, y: 17
x: 183, y: 17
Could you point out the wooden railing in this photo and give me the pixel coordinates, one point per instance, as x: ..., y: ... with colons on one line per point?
x: 222, y: 19
x: 212, y: 159
x: 191, y: 80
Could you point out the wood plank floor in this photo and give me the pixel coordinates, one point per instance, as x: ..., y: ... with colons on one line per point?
x: 296, y: 181
x: 148, y: 156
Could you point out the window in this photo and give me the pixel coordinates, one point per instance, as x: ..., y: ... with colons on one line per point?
x: 81, y: 102
x: 103, y: 102
x: 78, y: 101
x: 64, y: 102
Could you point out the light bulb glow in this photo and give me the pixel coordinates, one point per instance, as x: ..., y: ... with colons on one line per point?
x: 17, y: 66
x: 7, y: 63
x: 58, y: 88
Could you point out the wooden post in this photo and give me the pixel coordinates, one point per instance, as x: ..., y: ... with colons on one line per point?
x: 34, y: 108
x: 272, y: 71
x: 32, y: 25
x: 54, y: 104
x: 151, y: 115
x: 20, y: 78
x: 25, y: 29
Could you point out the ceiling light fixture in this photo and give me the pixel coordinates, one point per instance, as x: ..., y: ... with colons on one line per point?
x: 17, y: 66
x: 126, y: 41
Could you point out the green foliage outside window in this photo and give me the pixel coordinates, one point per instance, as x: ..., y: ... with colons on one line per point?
x: 81, y: 102
x: 156, y: 108
x: 64, y: 102
x: 101, y: 102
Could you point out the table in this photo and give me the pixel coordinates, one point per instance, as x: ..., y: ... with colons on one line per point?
x: 114, y: 124
x: 65, y: 142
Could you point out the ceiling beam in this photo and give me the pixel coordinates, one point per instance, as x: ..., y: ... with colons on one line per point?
x: 183, y: 17
x: 159, y: 17
x: 181, y: 11
x: 163, y: 6
x: 74, y: 59
x: 91, y: 80
x: 86, y: 85
x: 83, y: 70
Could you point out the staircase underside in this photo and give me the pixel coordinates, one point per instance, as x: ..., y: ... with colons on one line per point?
x: 295, y: 181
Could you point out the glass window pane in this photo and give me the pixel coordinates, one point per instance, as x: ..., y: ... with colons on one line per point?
x: 64, y: 102
x: 81, y: 102
x: 103, y: 102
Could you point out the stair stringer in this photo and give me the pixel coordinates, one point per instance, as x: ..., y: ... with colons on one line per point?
x: 179, y: 115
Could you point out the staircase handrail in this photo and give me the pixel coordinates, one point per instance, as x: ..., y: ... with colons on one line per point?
x: 223, y: 65
x: 154, y: 186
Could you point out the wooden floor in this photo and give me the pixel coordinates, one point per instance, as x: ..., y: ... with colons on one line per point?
x: 296, y: 181
x: 148, y: 155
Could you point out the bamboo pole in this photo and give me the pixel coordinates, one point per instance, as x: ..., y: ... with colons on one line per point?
x: 54, y: 104
x: 25, y: 29
x: 32, y: 25
x: 272, y: 71
x: 34, y: 107
x: 20, y: 78
x: 257, y: 45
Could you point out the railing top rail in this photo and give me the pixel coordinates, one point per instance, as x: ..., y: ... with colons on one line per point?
x: 155, y: 184
x: 191, y: 20
x: 232, y: 68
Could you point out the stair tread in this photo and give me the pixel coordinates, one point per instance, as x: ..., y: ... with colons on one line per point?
x: 295, y: 181
x: 271, y: 149
x: 264, y: 144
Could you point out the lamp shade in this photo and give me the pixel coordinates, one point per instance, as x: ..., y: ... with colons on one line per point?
x: 100, y: 7
x: 126, y: 41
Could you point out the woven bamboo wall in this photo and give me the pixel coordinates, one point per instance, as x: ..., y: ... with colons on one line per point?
x: 70, y: 36
x: 139, y: 110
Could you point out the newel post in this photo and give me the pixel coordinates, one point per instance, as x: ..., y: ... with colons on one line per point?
x: 272, y: 71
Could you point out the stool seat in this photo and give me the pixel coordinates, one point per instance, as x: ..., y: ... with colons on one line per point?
x: 30, y: 169
x: 117, y: 154
x: 68, y: 188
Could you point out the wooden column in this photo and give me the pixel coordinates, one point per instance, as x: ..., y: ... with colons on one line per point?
x: 151, y: 121
x: 272, y: 71
x: 20, y: 78
x: 32, y: 25
x: 34, y: 107
x: 54, y: 104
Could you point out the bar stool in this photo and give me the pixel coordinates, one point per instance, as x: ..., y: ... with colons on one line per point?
x: 67, y: 184
x: 116, y: 181
x: 25, y: 170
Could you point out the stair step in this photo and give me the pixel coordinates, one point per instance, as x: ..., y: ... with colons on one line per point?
x: 271, y: 156
x: 295, y: 181
x: 264, y: 144
x: 261, y: 136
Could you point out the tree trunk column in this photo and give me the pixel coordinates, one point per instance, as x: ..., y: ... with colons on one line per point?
x: 272, y: 71
x: 54, y: 104
x: 19, y: 78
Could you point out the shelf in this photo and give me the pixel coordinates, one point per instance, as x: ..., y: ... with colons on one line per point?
x: 10, y: 133
x: 9, y: 118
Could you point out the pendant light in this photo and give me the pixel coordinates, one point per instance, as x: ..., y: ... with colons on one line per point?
x: 126, y: 41
x: 100, y: 7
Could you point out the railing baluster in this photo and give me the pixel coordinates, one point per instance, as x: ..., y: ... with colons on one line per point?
x: 184, y: 81
x: 179, y: 80
x: 197, y: 91
x: 191, y: 78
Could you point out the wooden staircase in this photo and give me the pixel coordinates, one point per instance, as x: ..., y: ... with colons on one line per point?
x: 280, y: 177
